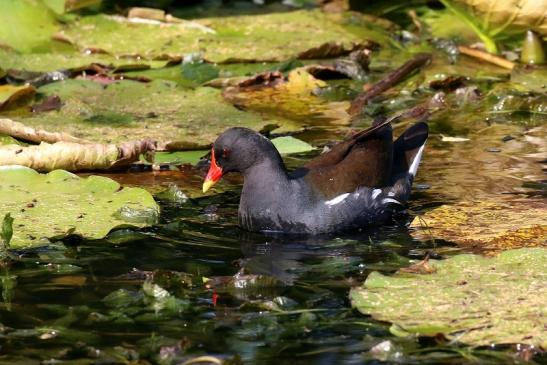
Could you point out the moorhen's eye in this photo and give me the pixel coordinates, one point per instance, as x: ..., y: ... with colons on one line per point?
x: 225, y: 152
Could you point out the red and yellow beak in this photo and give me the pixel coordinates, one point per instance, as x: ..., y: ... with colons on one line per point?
x: 214, y: 174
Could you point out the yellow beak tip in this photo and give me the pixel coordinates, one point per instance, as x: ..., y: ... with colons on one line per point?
x: 207, y: 185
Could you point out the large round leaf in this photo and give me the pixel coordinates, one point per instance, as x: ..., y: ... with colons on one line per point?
x: 471, y: 299
x: 26, y: 25
x: 57, y: 204
x: 276, y: 36
x: 159, y: 110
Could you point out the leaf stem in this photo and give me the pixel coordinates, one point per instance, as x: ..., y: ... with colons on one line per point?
x: 489, y: 43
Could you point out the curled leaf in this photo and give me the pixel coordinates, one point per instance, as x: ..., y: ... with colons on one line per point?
x: 74, y: 156
x: 334, y: 49
x: 21, y: 131
x: 293, y: 97
x: 11, y: 95
x: 494, y: 20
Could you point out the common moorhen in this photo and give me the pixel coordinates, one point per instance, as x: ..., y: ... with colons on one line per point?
x: 360, y: 182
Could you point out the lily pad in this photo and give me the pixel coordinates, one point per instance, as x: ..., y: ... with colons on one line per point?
x: 62, y: 6
x: 470, y: 299
x: 268, y: 37
x: 159, y: 110
x: 54, y: 205
x: 26, y: 25
x: 199, y: 72
x: 488, y: 225
x: 46, y: 62
x: 287, y: 145
x: 180, y: 157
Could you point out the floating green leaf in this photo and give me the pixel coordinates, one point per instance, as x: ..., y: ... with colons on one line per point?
x: 276, y: 36
x: 159, y: 110
x: 54, y: 205
x: 287, y: 145
x: 470, y: 299
x: 61, y: 6
x: 26, y: 25
x: 46, y: 62
x: 199, y: 72
x: 180, y: 157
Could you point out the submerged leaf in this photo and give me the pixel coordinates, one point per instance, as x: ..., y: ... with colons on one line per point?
x: 6, y: 233
x: 533, y: 79
x: 489, y: 225
x: 58, y: 204
x: 469, y: 299
x: 292, y: 97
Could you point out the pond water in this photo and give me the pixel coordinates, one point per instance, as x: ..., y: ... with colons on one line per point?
x: 198, y: 285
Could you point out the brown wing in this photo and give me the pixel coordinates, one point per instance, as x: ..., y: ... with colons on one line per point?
x: 340, y: 150
x: 363, y: 160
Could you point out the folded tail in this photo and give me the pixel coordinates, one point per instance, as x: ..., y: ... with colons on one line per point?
x: 407, y: 152
x: 408, y: 149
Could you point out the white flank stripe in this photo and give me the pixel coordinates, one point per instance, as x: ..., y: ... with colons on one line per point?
x: 375, y: 193
x: 414, y: 166
x: 390, y: 200
x: 338, y: 199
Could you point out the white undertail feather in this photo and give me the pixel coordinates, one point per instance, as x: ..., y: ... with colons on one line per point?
x: 338, y: 199
x: 416, y: 161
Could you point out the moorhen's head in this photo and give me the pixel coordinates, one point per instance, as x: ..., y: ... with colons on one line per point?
x: 237, y: 150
